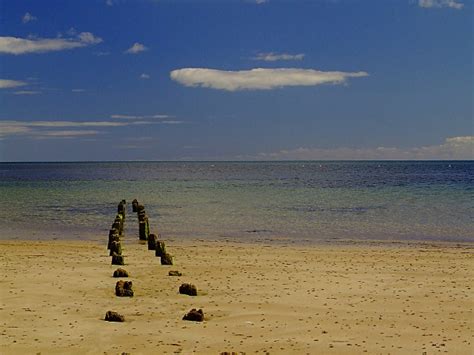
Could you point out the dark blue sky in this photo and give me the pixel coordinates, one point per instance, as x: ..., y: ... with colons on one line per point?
x: 110, y: 80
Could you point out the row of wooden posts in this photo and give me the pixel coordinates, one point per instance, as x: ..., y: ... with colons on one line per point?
x: 115, y: 235
x: 124, y: 288
x: 154, y: 242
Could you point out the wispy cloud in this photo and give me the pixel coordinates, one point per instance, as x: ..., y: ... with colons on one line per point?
x: 172, y: 122
x: 101, y: 54
x: 273, y: 57
x: 27, y: 92
x: 136, y: 48
x: 8, y: 84
x: 453, y: 148
x: 64, y: 134
x: 144, y: 76
x: 259, y: 2
x: 13, y: 123
x: 453, y: 4
x: 77, y: 90
x: 28, y: 18
x: 18, y: 46
x: 49, y: 128
x: 140, y: 117
x: 259, y: 79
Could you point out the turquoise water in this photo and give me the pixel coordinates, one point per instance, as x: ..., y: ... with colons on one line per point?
x: 311, y: 201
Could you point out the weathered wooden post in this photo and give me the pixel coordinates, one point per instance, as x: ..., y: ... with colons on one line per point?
x: 152, y: 239
x: 134, y: 205
x: 188, y: 289
x: 113, y: 235
x: 196, y: 315
x: 166, y: 259
x: 160, y: 248
x: 116, y: 225
x: 112, y: 316
x: 113, y: 238
x: 115, y: 248
x: 123, y: 289
x: 120, y: 273
x: 142, y: 230
x: 121, y: 208
x: 117, y: 259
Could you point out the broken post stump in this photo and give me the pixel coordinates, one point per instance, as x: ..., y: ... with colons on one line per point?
x: 166, y: 259
x: 188, y: 289
x: 194, y: 315
x: 120, y: 273
x: 118, y: 259
x: 134, y: 205
x: 112, y: 316
x: 123, y: 289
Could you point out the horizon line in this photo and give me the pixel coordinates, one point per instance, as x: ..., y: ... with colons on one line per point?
x: 232, y: 161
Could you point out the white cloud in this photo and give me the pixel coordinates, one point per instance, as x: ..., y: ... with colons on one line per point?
x: 27, y: 92
x: 88, y: 38
x: 453, y: 148
x: 261, y: 1
x: 17, y: 46
x: 7, y: 84
x: 6, y: 130
x: 28, y: 18
x: 259, y: 79
x: 136, y: 48
x: 144, y: 76
x: 272, y: 57
x: 142, y: 117
x: 13, y: 123
x: 66, y: 133
x: 454, y: 4
x: 64, y: 129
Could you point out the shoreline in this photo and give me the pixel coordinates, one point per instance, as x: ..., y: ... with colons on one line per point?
x: 256, y: 297
x: 268, y: 240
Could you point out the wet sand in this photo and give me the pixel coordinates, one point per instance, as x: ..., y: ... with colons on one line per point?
x: 257, y: 298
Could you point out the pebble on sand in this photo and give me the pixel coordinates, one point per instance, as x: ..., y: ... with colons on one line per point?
x: 121, y: 273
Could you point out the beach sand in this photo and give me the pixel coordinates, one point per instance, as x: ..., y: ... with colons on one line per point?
x: 377, y: 298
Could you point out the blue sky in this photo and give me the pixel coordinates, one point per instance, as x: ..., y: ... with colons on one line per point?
x: 235, y: 80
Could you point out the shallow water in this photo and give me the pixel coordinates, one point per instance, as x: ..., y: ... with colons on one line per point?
x: 298, y: 200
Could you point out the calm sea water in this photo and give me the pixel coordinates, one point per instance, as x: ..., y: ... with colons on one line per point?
x: 314, y: 201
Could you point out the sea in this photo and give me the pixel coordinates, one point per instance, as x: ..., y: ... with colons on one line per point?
x: 296, y: 201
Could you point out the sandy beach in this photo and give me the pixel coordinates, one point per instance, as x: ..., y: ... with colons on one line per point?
x: 378, y: 298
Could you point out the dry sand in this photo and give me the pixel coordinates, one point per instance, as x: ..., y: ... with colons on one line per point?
x: 257, y: 298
